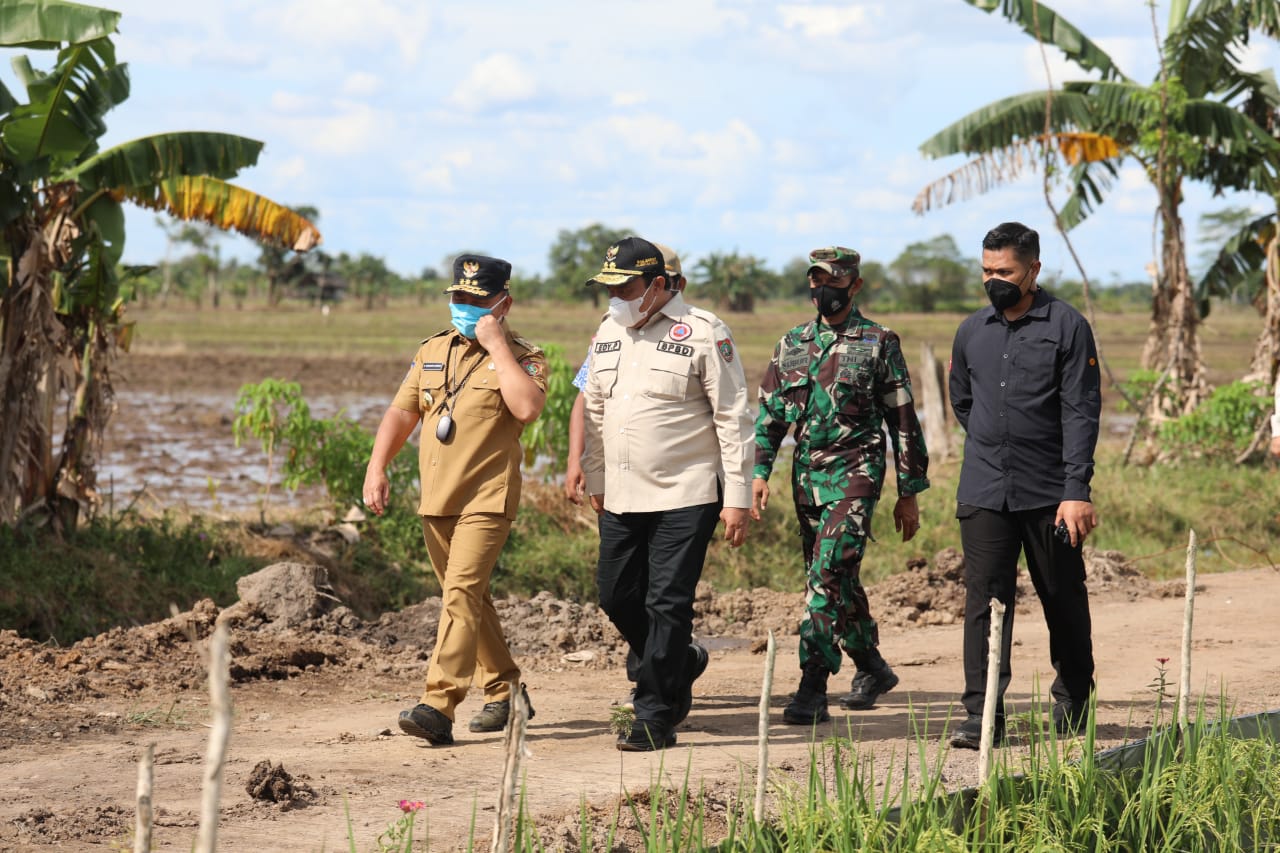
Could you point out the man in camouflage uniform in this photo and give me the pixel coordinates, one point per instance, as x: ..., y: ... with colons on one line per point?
x: 839, y: 378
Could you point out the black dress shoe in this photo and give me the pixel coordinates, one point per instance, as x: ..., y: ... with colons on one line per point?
x: 1069, y: 719
x: 427, y: 723
x: 697, y: 665
x: 968, y: 735
x: 647, y: 736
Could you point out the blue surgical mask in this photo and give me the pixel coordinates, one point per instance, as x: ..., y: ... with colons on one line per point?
x: 465, y: 317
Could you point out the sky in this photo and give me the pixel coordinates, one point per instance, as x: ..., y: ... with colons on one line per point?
x: 420, y: 129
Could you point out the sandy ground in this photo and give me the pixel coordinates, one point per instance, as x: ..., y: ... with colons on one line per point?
x: 318, y: 697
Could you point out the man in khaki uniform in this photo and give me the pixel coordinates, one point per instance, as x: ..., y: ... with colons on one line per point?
x: 668, y: 451
x: 473, y: 387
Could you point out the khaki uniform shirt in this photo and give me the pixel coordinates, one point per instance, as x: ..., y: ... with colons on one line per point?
x: 477, y: 469
x: 667, y: 418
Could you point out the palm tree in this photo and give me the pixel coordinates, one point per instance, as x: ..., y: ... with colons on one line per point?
x: 1187, y: 125
x: 733, y: 281
x: 62, y: 224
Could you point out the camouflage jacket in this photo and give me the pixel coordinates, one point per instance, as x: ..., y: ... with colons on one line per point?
x: 840, y: 387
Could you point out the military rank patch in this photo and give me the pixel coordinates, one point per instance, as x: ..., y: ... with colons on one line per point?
x: 433, y: 365
x: 725, y: 347
x: 678, y: 349
x: 608, y: 346
x: 680, y: 331
x: 533, y: 368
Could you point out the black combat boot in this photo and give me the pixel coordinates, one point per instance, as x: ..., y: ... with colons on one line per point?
x: 873, y: 678
x: 809, y: 706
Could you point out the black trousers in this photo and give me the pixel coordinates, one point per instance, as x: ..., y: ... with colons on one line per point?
x: 650, y: 563
x: 992, y: 540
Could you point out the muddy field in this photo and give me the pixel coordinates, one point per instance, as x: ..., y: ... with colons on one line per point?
x: 316, y: 690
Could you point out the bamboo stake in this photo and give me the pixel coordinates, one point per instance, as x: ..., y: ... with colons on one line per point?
x: 1184, y: 681
x: 762, y: 760
x: 220, y: 734
x: 517, y: 720
x: 993, y: 686
x: 142, y: 821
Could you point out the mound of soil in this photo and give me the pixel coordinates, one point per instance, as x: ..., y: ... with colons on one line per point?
x: 288, y: 622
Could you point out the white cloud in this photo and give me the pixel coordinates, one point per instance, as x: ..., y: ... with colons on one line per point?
x: 347, y: 129
x: 628, y: 99
x: 361, y: 84
x: 290, y: 102
x: 329, y: 23
x: 288, y: 170
x: 823, y: 22
x: 497, y: 80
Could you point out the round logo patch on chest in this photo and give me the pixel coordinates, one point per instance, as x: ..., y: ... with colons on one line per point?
x: 680, y: 331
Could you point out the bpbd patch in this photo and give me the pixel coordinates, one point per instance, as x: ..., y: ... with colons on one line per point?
x: 680, y: 331
x: 678, y: 349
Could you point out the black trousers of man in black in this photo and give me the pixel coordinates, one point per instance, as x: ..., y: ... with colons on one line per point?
x: 650, y: 563
x: 992, y: 540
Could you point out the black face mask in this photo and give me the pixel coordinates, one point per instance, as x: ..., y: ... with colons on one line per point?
x: 831, y: 300
x: 1003, y: 294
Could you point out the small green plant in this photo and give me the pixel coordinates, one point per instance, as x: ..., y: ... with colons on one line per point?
x: 1221, y: 426
x: 274, y: 412
x: 398, y: 836
x: 547, y: 438
x: 331, y: 452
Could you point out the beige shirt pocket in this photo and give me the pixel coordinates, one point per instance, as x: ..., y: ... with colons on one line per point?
x: 668, y: 378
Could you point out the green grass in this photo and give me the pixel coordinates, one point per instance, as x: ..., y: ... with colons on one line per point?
x: 351, y: 331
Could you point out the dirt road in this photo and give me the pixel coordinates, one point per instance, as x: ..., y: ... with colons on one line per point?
x: 321, y: 698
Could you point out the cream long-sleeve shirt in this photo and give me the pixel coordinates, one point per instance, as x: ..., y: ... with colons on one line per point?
x: 668, y: 419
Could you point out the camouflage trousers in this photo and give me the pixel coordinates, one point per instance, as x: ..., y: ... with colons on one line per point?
x: 837, y: 615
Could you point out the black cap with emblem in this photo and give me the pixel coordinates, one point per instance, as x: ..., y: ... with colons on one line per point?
x: 626, y: 259
x: 479, y: 275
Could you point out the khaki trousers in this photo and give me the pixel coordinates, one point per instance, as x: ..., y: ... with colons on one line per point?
x: 469, y: 642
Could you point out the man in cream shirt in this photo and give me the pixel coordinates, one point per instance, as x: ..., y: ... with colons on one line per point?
x: 668, y: 453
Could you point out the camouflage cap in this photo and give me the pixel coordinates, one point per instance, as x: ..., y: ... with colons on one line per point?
x: 626, y: 259
x: 670, y: 260
x: 836, y: 260
x: 479, y: 275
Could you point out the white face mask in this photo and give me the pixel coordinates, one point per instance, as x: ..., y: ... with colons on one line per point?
x: 627, y: 312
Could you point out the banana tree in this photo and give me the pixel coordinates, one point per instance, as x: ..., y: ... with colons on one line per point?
x: 1188, y: 125
x: 62, y: 234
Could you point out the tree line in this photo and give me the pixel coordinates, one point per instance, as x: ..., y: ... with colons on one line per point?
x: 926, y: 276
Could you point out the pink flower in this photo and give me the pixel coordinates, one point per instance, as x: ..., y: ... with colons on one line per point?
x: 412, y: 805
x: 1162, y: 661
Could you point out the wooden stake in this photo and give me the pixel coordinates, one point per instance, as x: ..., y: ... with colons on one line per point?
x: 933, y: 384
x: 517, y: 721
x: 219, y: 735
x: 142, y: 821
x: 993, y: 687
x: 762, y: 759
x: 1184, y: 681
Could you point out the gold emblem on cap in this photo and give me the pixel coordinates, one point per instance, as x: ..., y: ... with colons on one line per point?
x: 611, y: 254
x: 470, y: 268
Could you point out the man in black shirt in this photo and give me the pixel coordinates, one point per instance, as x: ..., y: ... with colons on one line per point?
x: 1024, y: 384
